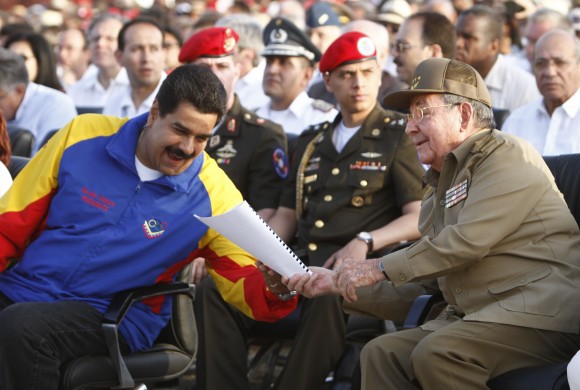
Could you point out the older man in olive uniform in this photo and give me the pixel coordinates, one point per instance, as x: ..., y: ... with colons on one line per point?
x: 496, y: 233
x: 250, y: 149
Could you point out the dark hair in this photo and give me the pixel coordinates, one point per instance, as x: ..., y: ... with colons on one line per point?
x: 193, y: 84
x: 5, y: 150
x: 437, y: 30
x: 493, y: 20
x: 171, y: 30
x: 130, y: 23
x: 44, y: 56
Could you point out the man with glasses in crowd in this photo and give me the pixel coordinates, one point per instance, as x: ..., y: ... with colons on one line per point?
x: 497, y: 234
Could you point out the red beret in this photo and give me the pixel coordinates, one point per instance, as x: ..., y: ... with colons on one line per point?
x: 209, y: 42
x: 350, y: 47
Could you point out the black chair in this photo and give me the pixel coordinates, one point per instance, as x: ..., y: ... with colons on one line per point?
x: 89, y: 110
x: 47, y: 137
x: 172, y: 355
x: 21, y: 141
x: 500, y: 115
x: 16, y: 164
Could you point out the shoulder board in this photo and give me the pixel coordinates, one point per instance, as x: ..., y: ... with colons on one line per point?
x: 315, y: 129
x: 321, y: 105
x: 254, y: 119
x: 395, y: 119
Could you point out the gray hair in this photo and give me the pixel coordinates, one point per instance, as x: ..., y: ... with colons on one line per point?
x: 12, y: 70
x: 249, y: 30
x: 557, y: 19
x: 482, y: 114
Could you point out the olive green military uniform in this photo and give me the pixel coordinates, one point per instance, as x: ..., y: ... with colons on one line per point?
x: 252, y: 151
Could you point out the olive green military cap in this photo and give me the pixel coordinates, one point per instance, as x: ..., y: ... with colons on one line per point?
x: 442, y: 75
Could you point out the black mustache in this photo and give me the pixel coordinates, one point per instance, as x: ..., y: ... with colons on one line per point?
x: 180, y: 153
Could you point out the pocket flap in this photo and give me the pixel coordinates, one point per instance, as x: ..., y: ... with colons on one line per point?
x: 522, y: 280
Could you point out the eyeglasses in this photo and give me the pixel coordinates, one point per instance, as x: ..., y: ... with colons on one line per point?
x: 419, y: 113
x: 402, y: 46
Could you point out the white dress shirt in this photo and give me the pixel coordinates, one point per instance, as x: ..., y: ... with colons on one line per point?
x: 5, y: 179
x: 302, y: 113
x: 573, y: 370
x: 558, y: 134
x: 510, y: 86
x: 249, y: 88
x: 120, y: 103
x: 89, y: 92
x: 43, y: 109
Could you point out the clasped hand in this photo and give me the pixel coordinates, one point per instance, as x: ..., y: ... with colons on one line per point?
x: 351, y: 275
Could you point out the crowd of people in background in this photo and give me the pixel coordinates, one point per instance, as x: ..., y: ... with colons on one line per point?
x: 277, y: 62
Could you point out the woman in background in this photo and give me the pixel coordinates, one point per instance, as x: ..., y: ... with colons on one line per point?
x: 38, y: 57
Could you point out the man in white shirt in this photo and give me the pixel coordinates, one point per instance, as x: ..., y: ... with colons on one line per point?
x: 94, y: 87
x: 31, y: 106
x: 290, y: 58
x: 551, y: 123
x: 140, y: 52
x: 479, y: 33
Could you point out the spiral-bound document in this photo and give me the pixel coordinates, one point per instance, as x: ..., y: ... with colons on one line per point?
x: 244, y: 227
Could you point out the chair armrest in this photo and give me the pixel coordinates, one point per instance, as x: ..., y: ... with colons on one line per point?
x: 116, y: 312
x: 420, y: 309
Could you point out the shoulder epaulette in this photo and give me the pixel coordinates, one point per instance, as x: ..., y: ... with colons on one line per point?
x: 395, y: 119
x: 315, y: 129
x: 321, y: 105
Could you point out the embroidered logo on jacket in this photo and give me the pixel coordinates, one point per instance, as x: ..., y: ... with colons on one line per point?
x: 154, y: 228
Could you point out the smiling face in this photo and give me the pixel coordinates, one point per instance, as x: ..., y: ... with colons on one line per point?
x: 169, y: 144
x: 438, y: 133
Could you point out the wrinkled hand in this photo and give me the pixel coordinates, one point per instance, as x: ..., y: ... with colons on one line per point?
x: 198, y: 270
x: 273, y: 280
x: 357, y: 273
x: 321, y: 282
x: 355, y: 249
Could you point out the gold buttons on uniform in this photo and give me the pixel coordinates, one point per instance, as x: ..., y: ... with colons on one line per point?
x: 335, y: 171
x: 247, y: 116
x: 364, y: 183
x: 328, y: 198
x: 387, y: 120
x: 312, y: 246
x: 458, y: 290
x: 402, y: 278
x: 319, y: 224
x: 375, y: 132
x: 357, y: 201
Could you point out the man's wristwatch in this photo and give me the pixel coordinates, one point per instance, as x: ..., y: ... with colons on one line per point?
x: 287, y: 296
x: 367, y: 238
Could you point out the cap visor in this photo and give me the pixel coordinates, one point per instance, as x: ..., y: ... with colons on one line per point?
x: 401, y: 100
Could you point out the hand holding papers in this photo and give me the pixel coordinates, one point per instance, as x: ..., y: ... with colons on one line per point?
x: 242, y: 226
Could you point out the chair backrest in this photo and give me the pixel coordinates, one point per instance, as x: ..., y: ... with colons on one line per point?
x: 565, y: 169
x: 21, y: 141
x: 89, y: 110
x: 500, y: 115
x: 17, y: 163
x: 47, y: 137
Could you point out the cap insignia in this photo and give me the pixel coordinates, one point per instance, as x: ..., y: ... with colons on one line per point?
x: 415, y: 82
x: 365, y: 46
x: 278, y: 36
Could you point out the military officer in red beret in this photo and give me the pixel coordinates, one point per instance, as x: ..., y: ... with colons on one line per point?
x: 355, y: 189
x: 250, y: 149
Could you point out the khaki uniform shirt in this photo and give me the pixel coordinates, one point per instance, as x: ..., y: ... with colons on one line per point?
x: 498, y: 235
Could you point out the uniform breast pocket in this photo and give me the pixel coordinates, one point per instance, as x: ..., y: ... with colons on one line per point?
x: 530, y: 292
x: 366, y: 180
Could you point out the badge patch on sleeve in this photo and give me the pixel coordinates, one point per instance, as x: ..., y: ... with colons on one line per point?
x: 280, y: 162
x: 456, y: 194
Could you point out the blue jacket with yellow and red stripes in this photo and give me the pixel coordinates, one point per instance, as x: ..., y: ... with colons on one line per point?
x: 84, y: 227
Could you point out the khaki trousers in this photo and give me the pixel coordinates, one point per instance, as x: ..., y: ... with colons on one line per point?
x: 459, y: 355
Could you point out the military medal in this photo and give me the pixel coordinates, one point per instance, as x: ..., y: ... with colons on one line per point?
x: 456, y: 194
